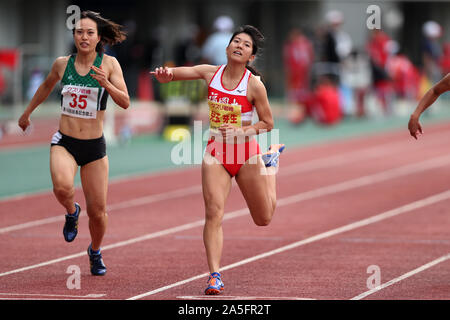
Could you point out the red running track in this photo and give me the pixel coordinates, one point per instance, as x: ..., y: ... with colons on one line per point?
x: 343, y: 208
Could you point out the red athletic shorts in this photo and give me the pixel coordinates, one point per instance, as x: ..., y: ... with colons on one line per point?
x: 233, y: 155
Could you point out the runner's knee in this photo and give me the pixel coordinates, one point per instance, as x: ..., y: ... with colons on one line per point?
x: 96, y: 210
x: 214, y: 212
x: 63, y: 190
x: 262, y: 215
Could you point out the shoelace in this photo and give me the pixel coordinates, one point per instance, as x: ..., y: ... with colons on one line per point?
x: 217, y: 279
x: 71, y: 221
x: 271, y: 159
x: 96, y: 260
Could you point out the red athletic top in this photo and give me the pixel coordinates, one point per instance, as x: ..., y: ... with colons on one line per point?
x: 229, y: 106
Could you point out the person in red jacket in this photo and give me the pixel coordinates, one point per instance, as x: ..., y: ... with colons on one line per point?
x: 324, y: 104
x: 9, y: 58
x: 298, y: 56
x: 445, y: 59
x: 378, y: 50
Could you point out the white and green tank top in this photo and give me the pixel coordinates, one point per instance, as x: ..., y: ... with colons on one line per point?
x: 82, y: 96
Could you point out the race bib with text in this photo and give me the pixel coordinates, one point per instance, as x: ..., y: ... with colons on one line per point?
x: 221, y: 113
x: 80, y: 102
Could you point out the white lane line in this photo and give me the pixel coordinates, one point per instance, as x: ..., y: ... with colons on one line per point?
x: 358, y: 224
x: 341, y: 159
x: 403, y: 277
x: 116, y: 206
x: 35, y: 223
x: 435, y: 136
x: 221, y: 297
x: 116, y: 180
x: 90, y: 295
x: 111, y: 246
x: 44, y: 299
x: 312, y: 194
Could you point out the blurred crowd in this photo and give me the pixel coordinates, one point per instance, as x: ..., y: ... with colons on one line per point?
x: 326, y: 76
x: 328, y: 79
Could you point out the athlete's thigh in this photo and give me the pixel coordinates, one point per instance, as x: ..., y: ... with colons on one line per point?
x: 63, y: 166
x: 94, y: 179
x: 253, y: 183
x: 216, y: 183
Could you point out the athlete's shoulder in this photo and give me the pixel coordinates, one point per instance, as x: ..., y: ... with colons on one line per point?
x: 59, y: 65
x: 256, y: 83
x: 206, y: 71
x: 207, y: 68
x: 61, y: 61
x: 108, y: 58
x: 110, y: 62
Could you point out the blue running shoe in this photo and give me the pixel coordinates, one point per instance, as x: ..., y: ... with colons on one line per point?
x: 98, y: 268
x: 70, y: 229
x: 271, y: 158
x: 215, y: 284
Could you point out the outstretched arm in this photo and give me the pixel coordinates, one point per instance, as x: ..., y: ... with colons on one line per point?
x: 43, y: 91
x: 414, y: 126
x: 203, y: 71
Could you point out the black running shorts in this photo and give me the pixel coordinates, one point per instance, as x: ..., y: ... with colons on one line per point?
x: 84, y: 151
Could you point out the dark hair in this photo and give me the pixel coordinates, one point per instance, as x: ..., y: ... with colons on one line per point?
x: 257, y: 41
x: 110, y: 32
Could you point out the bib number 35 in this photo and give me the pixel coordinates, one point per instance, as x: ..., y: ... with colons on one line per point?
x: 78, y: 101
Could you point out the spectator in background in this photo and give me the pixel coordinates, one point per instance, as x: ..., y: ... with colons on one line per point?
x: 336, y: 47
x: 356, y: 75
x: 324, y: 104
x: 36, y: 79
x: 298, y: 56
x: 405, y: 76
x: 445, y: 59
x: 378, y: 51
x: 187, y: 51
x: 2, y: 83
x: 128, y: 54
x: 9, y: 59
x: 431, y: 51
x: 337, y: 43
x: 213, y: 51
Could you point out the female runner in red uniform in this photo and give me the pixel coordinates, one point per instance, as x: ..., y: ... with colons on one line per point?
x: 232, y: 151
